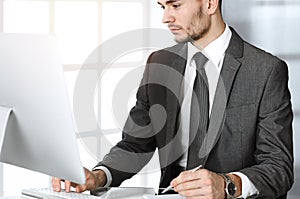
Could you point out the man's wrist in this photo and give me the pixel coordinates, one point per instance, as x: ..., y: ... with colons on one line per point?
x: 100, y: 177
x: 108, y: 176
x: 232, y: 185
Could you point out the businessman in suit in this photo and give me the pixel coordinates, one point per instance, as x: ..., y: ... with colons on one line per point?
x: 249, y: 135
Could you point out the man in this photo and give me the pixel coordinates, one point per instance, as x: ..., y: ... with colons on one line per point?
x: 251, y: 156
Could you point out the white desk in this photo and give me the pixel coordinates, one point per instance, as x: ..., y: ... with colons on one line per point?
x: 12, y: 197
x: 145, y: 197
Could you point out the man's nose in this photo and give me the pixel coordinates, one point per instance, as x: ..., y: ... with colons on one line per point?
x: 168, y: 17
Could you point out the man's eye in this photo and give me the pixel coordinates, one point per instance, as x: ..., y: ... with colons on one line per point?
x: 163, y: 7
x: 176, y: 5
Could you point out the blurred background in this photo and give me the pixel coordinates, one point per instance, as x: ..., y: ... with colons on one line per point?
x: 274, y: 25
x: 80, y: 26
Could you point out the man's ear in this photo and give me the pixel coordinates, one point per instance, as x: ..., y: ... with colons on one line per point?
x: 213, y: 6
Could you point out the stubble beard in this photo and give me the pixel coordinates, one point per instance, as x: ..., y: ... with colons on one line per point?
x: 199, y: 27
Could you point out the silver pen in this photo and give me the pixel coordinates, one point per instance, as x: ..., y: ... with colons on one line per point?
x: 193, y: 170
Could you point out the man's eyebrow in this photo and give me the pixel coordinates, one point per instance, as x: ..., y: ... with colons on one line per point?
x: 171, y: 1
x: 168, y: 2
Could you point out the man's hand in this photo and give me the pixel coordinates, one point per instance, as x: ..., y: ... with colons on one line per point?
x: 93, y: 180
x: 200, y: 184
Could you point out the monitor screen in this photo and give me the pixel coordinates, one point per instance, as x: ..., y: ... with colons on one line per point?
x: 37, y: 130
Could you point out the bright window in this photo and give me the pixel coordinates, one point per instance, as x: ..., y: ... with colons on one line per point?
x: 116, y: 15
x: 26, y: 16
x: 76, y: 27
x: 80, y: 26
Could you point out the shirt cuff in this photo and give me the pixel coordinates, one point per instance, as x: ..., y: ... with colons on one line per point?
x: 107, y: 173
x: 248, y: 188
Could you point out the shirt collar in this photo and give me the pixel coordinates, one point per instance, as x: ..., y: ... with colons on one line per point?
x: 215, y: 50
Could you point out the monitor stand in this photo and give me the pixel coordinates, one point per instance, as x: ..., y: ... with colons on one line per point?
x: 4, y: 116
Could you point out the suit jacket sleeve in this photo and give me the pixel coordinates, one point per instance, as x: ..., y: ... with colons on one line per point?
x: 137, y: 146
x: 273, y: 173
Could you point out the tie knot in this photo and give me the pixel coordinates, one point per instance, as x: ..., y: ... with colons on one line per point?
x: 200, y: 60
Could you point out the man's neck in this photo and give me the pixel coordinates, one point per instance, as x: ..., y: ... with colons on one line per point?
x: 214, y: 32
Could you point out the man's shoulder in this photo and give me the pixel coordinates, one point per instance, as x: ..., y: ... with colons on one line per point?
x: 249, y: 52
x: 175, y: 48
x: 169, y: 53
x: 260, y: 56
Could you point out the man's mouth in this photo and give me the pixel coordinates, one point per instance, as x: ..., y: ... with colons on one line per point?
x: 174, y: 28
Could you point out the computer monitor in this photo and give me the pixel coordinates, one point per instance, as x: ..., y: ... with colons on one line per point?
x: 36, y: 124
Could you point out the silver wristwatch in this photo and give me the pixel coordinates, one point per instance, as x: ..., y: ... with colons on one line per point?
x: 230, y: 188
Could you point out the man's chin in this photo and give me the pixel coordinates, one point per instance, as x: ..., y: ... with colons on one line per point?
x: 182, y: 39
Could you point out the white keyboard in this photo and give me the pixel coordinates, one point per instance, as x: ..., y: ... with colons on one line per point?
x: 102, y: 193
x: 45, y: 193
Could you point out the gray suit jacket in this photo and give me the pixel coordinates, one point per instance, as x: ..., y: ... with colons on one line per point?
x: 255, y: 139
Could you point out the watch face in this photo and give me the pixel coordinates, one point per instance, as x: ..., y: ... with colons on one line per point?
x: 231, y: 189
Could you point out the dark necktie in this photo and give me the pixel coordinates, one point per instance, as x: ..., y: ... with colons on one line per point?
x: 199, y: 116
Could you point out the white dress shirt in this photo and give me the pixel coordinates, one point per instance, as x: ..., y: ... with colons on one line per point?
x: 215, y: 52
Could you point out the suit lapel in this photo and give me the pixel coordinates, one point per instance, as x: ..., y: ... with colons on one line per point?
x: 230, y: 67
x: 217, y: 117
x: 228, y: 73
x: 231, y: 64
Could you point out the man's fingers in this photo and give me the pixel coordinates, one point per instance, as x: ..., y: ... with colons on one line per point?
x: 188, y: 185
x: 91, y: 183
x: 193, y: 193
x: 81, y: 188
x: 56, y: 184
x: 186, y: 176
x: 67, y: 186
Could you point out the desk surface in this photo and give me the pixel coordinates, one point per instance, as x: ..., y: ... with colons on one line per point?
x: 145, y: 197
x: 18, y: 195
x: 11, y: 197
